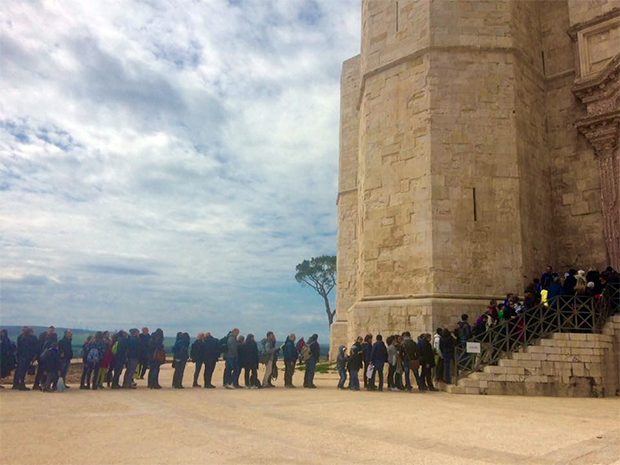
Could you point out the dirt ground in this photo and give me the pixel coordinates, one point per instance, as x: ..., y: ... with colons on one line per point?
x: 301, y: 426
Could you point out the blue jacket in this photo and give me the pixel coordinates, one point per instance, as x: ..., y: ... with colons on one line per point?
x: 290, y: 351
x: 180, y: 350
x: 133, y: 347
x: 379, y: 354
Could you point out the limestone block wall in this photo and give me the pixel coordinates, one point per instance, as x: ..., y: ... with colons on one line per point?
x: 564, y: 365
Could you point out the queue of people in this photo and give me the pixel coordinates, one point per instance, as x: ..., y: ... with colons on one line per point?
x: 116, y: 361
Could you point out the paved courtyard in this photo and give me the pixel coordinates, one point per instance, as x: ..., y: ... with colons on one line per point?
x: 301, y: 426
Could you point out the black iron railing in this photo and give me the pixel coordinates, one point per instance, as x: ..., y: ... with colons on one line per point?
x: 564, y: 314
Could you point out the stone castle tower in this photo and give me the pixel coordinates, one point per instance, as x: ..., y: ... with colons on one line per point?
x: 478, y: 143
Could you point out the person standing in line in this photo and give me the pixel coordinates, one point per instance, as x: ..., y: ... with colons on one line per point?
x: 7, y: 355
x: 269, y: 354
x: 241, y: 359
x: 290, y: 359
x: 210, y: 355
x: 315, y: 355
x: 446, y: 347
x: 96, y: 347
x: 143, y: 349
x: 436, y: 346
x: 106, y: 362
x: 27, y: 351
x: 392, y: 354
x: 427, y: 360
x: 46, y: 339
x: 180, y: 352
x: 65, y: 350
x: 51, y: 356
x: 157, y: 357
x: 133, y: 356
x: 120, y: 357
x: 411, y: 361
x: 196, y: 354
x: 251, y: 362
x: 356, y: 360
x: 366, y: 349
x: 85, y: 362
x: 231, y: 357
x: 378, y: 358
x: 341, y: 364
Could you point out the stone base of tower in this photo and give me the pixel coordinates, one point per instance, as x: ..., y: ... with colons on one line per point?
x: 393, y: 316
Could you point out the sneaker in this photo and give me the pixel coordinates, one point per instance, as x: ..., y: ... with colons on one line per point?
x: 229, y: 386
x: 195, y: 385
x: 395, y: 389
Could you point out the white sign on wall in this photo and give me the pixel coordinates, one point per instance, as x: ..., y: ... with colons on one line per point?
x: 473, y: 347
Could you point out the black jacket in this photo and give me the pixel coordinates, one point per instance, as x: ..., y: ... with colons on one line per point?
x: 196, y: 351
x: 378, y: 355
x: 210, y: 349
x: 410, y: 349
x: 65, y: 349
x: 356, y: 359
x: 133, y: 347
x: 27, y: 347
x: 446, y: 345
x: 121, y: 350
x: 143, y: 345
x: 427, y: 355
x: 248, y: 355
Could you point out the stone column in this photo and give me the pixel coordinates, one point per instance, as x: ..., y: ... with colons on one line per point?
x: 609, y: 167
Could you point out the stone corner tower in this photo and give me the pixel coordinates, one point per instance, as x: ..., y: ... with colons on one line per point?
x: 478, y: 143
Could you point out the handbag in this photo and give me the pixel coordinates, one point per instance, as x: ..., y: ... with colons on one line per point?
x: 370, y: 371
x: 159, y: 356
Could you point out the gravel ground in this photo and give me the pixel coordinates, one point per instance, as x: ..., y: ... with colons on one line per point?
x: 301, y: 426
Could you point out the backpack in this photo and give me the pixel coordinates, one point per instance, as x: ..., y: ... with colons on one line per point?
x: 223, y: 345
x: 115, y: 348
x: 305, y: 353
x: 93, y: 355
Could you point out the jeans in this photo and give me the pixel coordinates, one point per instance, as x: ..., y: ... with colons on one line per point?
x: 19, y: 380
x: 231, y: 371
x: 343, y: 377
x: 391, y: 374
x: 309, y: 374
x: 407, y: 375
x: 52, y: 379
x: 93, y: 369
x: 154, y: 374
x: 427, y: 378
x: 144, y: 364
x: 365, y: 371
x: 289, y: 369
x: 446, y: 362
x: 378, y: 371
x: 355, y: 380
x: 197, y: 371
x: 179, y: 370
x: 118, y: 368
x: 132, y: 363
x: 64, y: 368
x: 208, y: 374
x: 251, y: 376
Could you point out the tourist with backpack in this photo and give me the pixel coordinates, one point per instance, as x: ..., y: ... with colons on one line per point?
x: 231, y: 358
x: 315, y: 355
x: 411, y: 361
x: 341, y: 365
x: 180, y: 352
x: 210, y: 355
x: 96, y: 348
x: 290, y: 360
x: 268, y: 356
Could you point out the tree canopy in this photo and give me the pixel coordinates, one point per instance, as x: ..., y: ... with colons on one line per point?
x: 320, y: 274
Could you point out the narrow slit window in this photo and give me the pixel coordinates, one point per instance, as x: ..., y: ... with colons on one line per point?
x: 474, y: 203
x: 396, y: 16
x: 542, y: 54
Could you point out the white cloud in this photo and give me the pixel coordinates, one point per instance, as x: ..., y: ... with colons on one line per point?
x: 169, y: 163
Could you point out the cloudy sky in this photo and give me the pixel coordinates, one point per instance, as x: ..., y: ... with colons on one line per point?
x: 169, y: 163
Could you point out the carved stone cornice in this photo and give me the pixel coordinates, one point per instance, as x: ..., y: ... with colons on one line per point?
x: 602, y: 85
x: 602, y: 131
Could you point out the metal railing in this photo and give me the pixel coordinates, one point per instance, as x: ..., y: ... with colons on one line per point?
x: 564, y: 314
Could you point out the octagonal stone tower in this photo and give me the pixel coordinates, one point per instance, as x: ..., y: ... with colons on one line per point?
x: 461, y: 172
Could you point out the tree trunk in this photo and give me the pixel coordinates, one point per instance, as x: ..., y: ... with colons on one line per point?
x: 328, y: 310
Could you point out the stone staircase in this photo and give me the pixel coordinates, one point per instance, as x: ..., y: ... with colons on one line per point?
x: 563, y: 364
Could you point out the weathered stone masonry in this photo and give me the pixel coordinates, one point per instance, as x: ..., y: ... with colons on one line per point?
x: 478, y: 143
